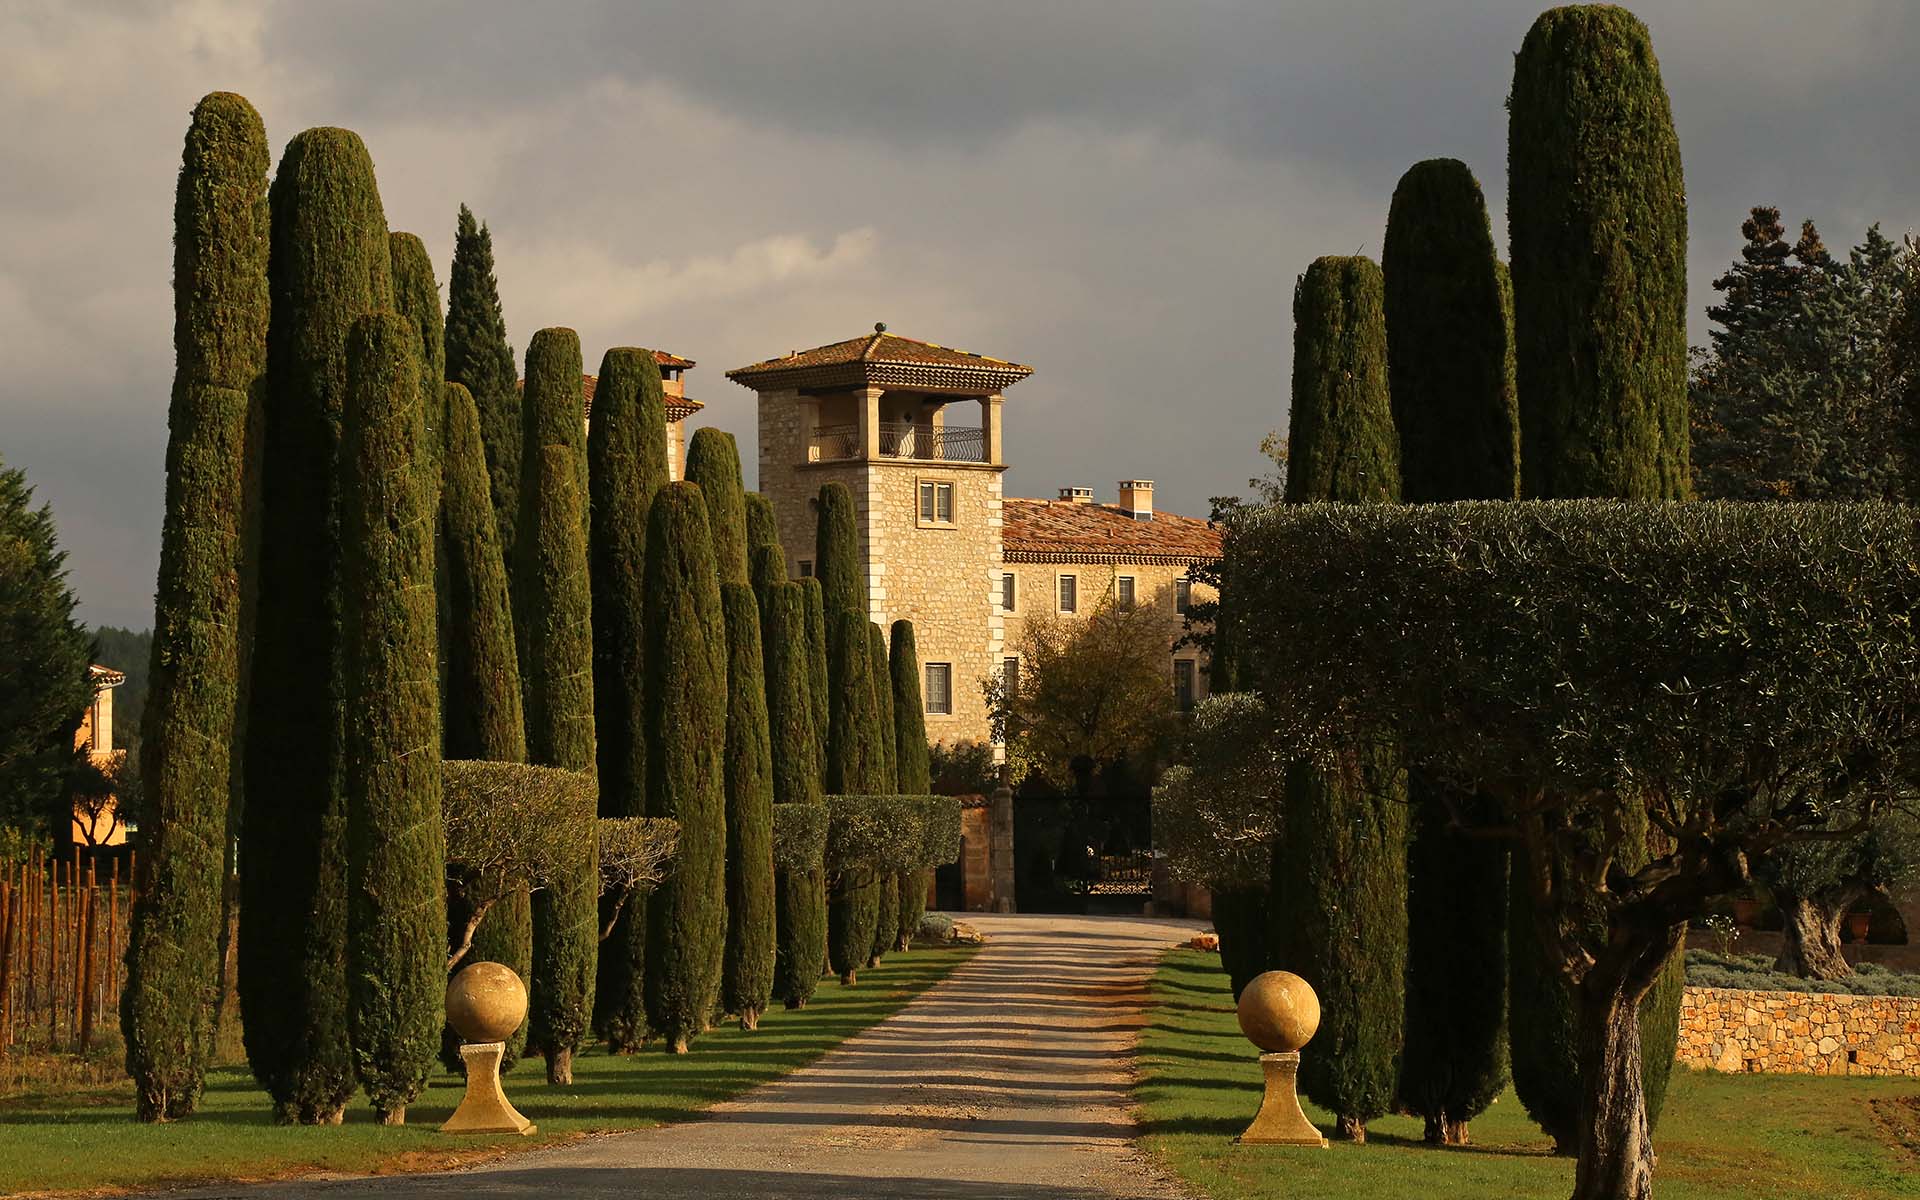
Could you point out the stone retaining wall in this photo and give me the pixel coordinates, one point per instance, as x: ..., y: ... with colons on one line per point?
x: 1728, y: 1029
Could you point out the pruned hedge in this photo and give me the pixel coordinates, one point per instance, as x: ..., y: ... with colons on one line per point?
x: 871, y: 835
x: 799, y: 836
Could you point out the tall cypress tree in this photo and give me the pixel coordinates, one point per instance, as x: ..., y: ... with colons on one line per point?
x: 800, y: 897
x: 836, y: 555
x: 328, y: 266
x: 856, y: 765
x: 768, y: 567
x: 1339, y: 906
x: 886, y: 921
x: 1450, y: 371
x: 762, y: 528
x: 479, y: 356
x: 482, y: 716
x: 713, y: 462
x: 911, y: 764
x: 220, y: 355
x: 396, y: 853
x: 1601, y: 338
x: 626, y: 465
x: 813, y: 602
x: 416, y: 296
x: 553, y: 618
x: 746, y: 980
x: 1601, y: 352
x: 686, y: 696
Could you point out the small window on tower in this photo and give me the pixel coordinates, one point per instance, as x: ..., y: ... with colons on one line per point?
x: 1008, y: 591
x: 1182, y: 595
x: 940, y: 688
x: 1069, y: 593
x: 1123, y: 588
x: 936, y: 503
x: 806, y: 568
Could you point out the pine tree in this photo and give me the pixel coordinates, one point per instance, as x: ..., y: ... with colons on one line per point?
x: 479, y: 356
x: 1601, y: 350
x: 836, y: 556
x: 627, y: 465
x: 553, y: 621
x: 1450, y: 370
x: 812, y: 600
x: 800, y: 897
x: 713, y: 462
x: 220, y: 340
x: 762, y: 528
x: 482, y: 717
x: 746, y: 978
x: 912, y: 765
x: 396, y: 855
x: 328, y: 265
x: 1601, y: 338
x: 1339, y: 908
x: 686, y: 701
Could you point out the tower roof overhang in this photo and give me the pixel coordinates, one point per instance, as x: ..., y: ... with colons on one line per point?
x: 882, y: 359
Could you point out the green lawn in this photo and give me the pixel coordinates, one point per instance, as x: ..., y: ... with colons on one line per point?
x: 87, y: 1139
x: 1725, y: 1137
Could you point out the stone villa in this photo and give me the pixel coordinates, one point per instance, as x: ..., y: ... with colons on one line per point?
x: 941, y: 546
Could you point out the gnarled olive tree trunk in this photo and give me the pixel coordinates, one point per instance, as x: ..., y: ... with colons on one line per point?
x: 1615, y: 1134
x: 1810, y: 932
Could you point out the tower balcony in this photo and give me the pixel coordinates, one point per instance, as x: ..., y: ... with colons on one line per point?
x: 906, y: 441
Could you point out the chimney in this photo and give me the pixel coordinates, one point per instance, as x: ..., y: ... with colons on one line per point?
x: 1136, y: 498
x: 1077, y: 495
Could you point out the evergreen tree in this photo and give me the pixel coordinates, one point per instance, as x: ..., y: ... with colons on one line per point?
x: 713, y: 462
x: 328, y: 265
x: 1601, y: 338
x: 746, y: 979
x: 886, y: 916
x: 220, y: 341
x: 479, y: 356
x: 800, y: 897
x: 855, y: 766
x: 627, y: 464
x: 416, y: 296
x: 836, y: 556
x: 553, y: 621
x: 482, y: 717
x: 686, y: 704
x: 880, y: 673
x: 396, y: 855
x: 1339, y: 906
x: 769, y: 567
x: 1450, y: 370
x: 1601, y: 351
x: 812, y: 600
x: 1247, y: 935
x: 912, y: 765
x: 762, y: 528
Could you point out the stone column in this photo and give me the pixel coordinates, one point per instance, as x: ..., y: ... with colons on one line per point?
x: 1000, y: 845
x: 990, y: 428
x: 866, y: 403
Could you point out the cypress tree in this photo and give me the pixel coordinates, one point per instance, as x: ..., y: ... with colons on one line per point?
x: 1601, y: 352
x: 855, y: 766
x: 328, y: 265
x: 881, y: 676
x: 912, y: 765
x: 836, y: 555
x: 626, y: 465
x: 768, y: 568
x: 812, y: 600
x: 553, y: 620
x: 746, y: 978
x: 713, y: 462
x: 800, y: 897
x: 396, y: 854
x: 482, y: 717
x: 1597, y: 214
x: 686, y: 696
x: 416, y: 296
x: 1247, y: 934
x: 1339, y: 904
x: 886, y: 916
x: 762, y: 528
x: 479, y: 356
x: 220, y: 352
x: 1450, y: 370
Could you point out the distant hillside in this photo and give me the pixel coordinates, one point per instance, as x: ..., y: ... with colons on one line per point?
x: 130, y: 653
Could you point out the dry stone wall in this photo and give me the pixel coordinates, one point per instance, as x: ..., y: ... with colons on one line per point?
x: 1728, y: 1029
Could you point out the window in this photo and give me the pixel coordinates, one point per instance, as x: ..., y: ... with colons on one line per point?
x: 936, y: 503
x: 1010, y: 674
x: 1182, y: 595
x: 806, y: 568
x: 1008, y: 592
x: 1183, y: 683
x: 940, y: 688
x: 1124, y: 587
x: 1069, y: 593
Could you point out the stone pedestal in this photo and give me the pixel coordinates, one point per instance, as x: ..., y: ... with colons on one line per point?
x: 1280, y: 1121
x: 485, y: 1108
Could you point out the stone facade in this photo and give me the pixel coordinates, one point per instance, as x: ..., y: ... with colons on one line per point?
x: 1724, y: 1029
x: 1037, y: 590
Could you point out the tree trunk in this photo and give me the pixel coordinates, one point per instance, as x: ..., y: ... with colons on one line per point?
x: 1810, y: 936
x: 1454, y: 1133
x: 1616, y: 1142
x: 391, y: 1116
x: 560, y: 1066
x: 749, y: 1018
x: 1349, y: 1129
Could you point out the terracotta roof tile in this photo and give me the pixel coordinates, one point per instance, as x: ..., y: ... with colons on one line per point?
x: 880, y: 346
x: 1040, y: 530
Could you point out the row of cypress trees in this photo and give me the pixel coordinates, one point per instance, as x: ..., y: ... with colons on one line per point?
x: 1444, y: 378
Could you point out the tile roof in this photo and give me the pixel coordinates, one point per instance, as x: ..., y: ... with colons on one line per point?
x: 880, y: 346
x: 104, y: 677
x: 882, y: 359
x: 672, y: 360
x: 1047, y: 530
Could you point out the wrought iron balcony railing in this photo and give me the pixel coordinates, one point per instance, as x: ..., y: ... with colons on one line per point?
x: 903, y: 440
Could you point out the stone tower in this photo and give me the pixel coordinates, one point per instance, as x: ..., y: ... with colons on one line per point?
x: 873, y: 412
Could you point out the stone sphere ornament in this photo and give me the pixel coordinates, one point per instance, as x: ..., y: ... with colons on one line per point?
x: 486, y: 1002
x: 1279, y: 1012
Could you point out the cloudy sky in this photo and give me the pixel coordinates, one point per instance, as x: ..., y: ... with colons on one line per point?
x: 1117, y: 192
